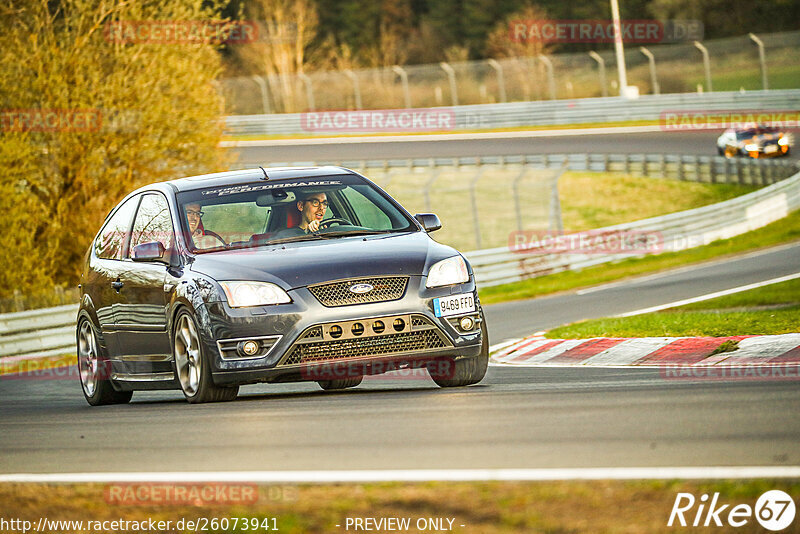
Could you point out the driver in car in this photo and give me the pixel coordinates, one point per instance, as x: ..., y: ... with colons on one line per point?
x: 312, y: 209
x: 202, y: 238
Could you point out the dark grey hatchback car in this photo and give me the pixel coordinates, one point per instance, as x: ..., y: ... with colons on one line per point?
x: 207, y: 283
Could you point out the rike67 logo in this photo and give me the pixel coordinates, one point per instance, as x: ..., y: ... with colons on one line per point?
x: 774, y: 510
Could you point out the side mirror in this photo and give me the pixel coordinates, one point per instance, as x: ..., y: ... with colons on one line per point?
x: 429, y: 221
x: 153, y: 251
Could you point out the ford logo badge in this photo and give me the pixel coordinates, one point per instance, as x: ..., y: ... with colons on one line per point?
x: 361, y: 288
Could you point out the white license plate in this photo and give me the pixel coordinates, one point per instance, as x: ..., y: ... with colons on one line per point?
x: 454, y: 305
x: 770, y: 148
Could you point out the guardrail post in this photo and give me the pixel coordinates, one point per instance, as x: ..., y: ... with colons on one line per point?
x: 556, y: 222
x: 762, y: 60
x: 356, y: 89
x: 652, y: 61
x: 451, y: 75
x: 400, y: 71
x: 474, y: 201
x: 601, y: 65
x: 262, y: 85
x: 19, y: 302
x: 712, y: 170
x: 515, y: 190
x: 309, y: 90
x: 551, y: 80
x: 427, y: 191
x: 706, y: 64
x: 501, y: 82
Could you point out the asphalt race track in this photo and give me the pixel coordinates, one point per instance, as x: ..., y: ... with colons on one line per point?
x: 515, y: 418
x: 691, y: 143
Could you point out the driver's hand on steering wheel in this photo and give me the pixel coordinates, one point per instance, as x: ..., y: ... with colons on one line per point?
x: 313, y: 226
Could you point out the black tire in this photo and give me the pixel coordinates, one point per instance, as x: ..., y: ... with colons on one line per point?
x: 720, y: 151
x: 193, y: 366
x: 466, y: 371
x: 94, y: 369
x: 330, y: 385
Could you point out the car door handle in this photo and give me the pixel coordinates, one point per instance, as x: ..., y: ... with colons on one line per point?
x: 116, y: 284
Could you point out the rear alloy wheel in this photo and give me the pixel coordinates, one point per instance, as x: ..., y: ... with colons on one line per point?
x: 192, y: 366
x: 465, y: 371
x: 94, y: 370
x: 344, y: 383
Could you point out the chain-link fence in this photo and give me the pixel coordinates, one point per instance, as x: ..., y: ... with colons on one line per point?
x: 675, y: 68
x: 479, y: 205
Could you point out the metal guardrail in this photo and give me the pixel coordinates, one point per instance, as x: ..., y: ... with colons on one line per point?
x: 710, y: 169
x: 552, y: 112
x: 51, y: 331
x: 677, y: 231
x: 44, y: 332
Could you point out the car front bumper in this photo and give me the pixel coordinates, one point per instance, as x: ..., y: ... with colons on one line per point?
x: 297, y: 344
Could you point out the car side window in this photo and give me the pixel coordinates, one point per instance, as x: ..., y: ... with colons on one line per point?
x: 153, y: 222
x: 111, y: 239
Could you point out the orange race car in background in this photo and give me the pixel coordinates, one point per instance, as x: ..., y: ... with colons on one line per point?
x: 758, y: 142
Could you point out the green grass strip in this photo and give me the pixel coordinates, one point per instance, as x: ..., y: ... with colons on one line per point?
x: 773, y: 309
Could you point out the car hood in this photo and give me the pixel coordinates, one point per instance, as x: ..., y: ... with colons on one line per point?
x: 300, y: 264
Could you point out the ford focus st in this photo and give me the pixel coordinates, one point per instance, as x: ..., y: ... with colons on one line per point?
x: 207, y: 283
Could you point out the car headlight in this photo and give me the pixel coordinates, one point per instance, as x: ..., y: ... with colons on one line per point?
x: 242, y: 294
x: 783, y: 141
x: 752, y: 147
x: 447, y: 272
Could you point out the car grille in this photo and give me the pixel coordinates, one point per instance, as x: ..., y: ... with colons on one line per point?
x: 338, y: 293
x: 310, y: 347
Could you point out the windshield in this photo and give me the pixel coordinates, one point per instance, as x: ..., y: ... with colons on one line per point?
x: 264, y: 213
x: 752, y: 132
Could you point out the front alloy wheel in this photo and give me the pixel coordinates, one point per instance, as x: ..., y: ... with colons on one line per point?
x: 192, y: 367
x: 94, y: 370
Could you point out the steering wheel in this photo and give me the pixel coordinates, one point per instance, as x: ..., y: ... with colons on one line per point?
x: 332, y: 220
x: 215, y: 235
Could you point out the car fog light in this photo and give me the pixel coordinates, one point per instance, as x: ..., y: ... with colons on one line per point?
x: 398, y: 325
x: 248, y: 348
x: 357, y: 329
x: 467, y: 323
x: 335, y: 331
x: 378, y: 327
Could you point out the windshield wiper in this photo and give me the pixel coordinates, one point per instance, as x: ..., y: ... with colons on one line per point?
x: 326, y: 235
x: 293, y: 239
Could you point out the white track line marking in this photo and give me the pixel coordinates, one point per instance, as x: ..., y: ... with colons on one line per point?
x: 416, y: 138
x: 415, y: 475
x: 710, y: 296
x: 654, y: 276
